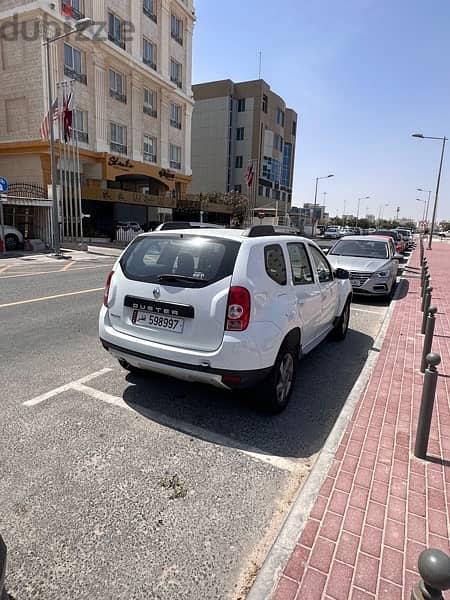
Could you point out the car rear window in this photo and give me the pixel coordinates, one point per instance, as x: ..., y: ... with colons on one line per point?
x: 179, y: 260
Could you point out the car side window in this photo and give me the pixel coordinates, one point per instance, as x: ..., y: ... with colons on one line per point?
x: 275, y: 263
x: 300, y: 265
x: 321, y: 264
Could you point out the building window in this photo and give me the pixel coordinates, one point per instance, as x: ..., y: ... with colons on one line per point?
x: 280, y: 117
x: 176, y: 72
x: 278, y: 142
x: 241, y: 105
x: 117, y: 86
x: 150, y: 103
x: 240, y: 133
x: 267, y: 192
x: 118, y: 138
x: 175, y: 157
x: 115, y: 30
x: 80, y: 125
x: 286, y: 167
x: 265, y: 103
x: 239, y: 162
x: 176, y: 30
x: 149, y: 149
x: 271, y: 169
x: 238, y: 188
x: 294, y: 128
x: 149, y: 54
x: 149, y: 8
x: 72, y: 8
x: 175, y: 115
x: 74, y: 64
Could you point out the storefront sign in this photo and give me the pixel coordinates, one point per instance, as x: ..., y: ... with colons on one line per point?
x: 124, y: 164
x: 127, y: 197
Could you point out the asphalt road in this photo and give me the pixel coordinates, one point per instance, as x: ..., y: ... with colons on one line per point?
x: 119, y: 486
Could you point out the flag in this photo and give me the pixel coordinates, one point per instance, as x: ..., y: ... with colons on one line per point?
x: 250, y: 173
x: 67, y: 9
x: 45, y: 124
x: 68, y: 116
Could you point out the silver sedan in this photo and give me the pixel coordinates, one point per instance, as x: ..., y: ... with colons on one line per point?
x: 371, y: 261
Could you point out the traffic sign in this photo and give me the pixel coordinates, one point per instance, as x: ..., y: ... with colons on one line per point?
x: 261, y: 214
x: 3, y: 185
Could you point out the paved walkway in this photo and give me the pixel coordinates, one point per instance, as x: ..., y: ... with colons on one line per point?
x: 379, y: 507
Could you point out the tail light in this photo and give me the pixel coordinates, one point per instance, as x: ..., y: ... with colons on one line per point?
x: 398, y: 247
x: 238, y: 309
x: 107, y: 286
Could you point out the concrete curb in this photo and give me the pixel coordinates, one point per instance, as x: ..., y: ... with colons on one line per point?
x: 102, y: 251
x: 266, y: 581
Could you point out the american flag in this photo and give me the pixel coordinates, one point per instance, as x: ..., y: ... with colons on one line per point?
x: 45, y: 124
x: 250, y: 173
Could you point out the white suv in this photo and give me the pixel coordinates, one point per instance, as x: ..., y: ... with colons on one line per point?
x: 231, y: 308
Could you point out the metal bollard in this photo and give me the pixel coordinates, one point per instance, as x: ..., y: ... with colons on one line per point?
x: 434, y: 568
x: 426, y: 405
x: 426, y: 302
x: 428, y: 340
x: 426, y: 284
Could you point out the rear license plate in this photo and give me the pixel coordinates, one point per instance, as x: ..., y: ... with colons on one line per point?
x: 355, y: 282
x: 147, y: 319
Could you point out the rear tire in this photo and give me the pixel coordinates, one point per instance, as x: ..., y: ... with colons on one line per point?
x: 340, y: 329
x: 277, y: 388
x: 130, y: 368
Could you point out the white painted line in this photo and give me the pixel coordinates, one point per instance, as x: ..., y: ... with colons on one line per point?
x: 99, y: 395
x: 381, y: 313
x: 65, y: 388
x: 66, y: 295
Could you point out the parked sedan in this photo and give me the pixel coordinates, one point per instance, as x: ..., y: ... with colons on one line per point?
x: 396, y: 236
x: 332, y: 233
x: 371, y: 262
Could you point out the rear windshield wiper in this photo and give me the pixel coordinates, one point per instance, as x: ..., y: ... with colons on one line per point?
x: 174, y: 277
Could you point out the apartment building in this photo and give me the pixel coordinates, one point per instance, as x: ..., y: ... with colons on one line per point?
x: 235, y: 124
x: 132, y: 119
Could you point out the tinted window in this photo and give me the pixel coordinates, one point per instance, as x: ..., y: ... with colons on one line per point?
x: 157, y: 259
x: 300, y: 265
x: 321, y: 265
x: 275, y: 263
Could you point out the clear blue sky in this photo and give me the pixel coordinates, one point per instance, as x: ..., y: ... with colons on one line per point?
x: 362, y: 75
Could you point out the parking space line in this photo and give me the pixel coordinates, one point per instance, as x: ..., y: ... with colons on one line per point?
x: 31, y: 273
x: 67, y: 294
x: 3, y: 269
x: 279, y: 462
x: 371, y: 312
x: 67, y: 267
x: 65, y: 388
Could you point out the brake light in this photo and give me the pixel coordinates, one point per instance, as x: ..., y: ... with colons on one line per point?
x: 398, y: 247
x: 238, y: 309
x: 107, y: 286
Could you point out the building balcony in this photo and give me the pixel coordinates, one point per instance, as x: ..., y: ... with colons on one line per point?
x: 148, y: 157
x: 149, y: 63
x: 68, y: 10
x: 118, y: 96
x: 175, y: 165
x: 81, y: 77
x: 82, y: 136
x: 118, y: 148
x: 116, y: 41
x: 151, y: 112
x: 177, y: 38
x: 176, y: 124
x: 177, y: 82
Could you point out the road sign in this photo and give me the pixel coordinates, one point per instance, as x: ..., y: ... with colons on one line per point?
x: 3, y: 185
x: 261, y: 214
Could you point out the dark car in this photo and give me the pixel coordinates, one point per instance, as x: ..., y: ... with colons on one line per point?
x: 396, y: 236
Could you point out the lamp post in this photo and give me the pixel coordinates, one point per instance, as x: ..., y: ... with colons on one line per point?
x: 315, y: 203
x: 357, y: 212
x: 424, y: 206
x: 433, y: 219
x: 428, y: 201
x: 380, y: 213
x: 79, y: 26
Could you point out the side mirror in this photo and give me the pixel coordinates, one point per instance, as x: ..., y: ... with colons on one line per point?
x: 341, y: 274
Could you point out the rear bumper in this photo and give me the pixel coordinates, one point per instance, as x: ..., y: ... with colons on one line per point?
x: 223, y: 378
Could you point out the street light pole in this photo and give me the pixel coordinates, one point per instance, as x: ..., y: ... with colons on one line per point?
x: 424, y: 206
x: 55, y: 217
x: 315, y: 204
x: 357, y: 212
x: 433, y: 220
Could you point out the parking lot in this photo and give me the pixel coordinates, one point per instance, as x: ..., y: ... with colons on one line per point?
x: 122, y: 486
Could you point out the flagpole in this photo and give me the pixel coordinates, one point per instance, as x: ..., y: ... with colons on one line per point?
x: 61, y: 198
x: 78, y: 182
x: 67, y: 139
x: 66, y: 177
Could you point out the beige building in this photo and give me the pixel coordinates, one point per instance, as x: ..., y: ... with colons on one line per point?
x: 132, y: 74
x: 235, y: 124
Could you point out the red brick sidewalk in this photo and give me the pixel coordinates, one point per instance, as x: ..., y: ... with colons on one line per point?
x: 379, y: 507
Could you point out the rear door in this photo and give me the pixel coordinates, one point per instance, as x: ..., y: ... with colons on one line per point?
x: 172, y: 288
x: 307, y: 295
